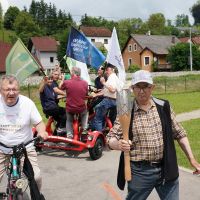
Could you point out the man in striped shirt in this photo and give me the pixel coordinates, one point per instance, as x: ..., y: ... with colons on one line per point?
x: 152, y: 131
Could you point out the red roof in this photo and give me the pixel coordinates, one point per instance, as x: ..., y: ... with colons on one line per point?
x: 196, y: 40
x: 184, y: 39
x: 4, y: 50
x: 96, y: 31
x: 44, y: 43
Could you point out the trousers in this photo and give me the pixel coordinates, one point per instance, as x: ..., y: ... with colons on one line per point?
x: 145, y: 178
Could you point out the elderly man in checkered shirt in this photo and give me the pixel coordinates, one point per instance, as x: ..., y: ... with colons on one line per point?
x: 152, y: 131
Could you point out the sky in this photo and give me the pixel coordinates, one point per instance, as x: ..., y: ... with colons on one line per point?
x: 117, y: 9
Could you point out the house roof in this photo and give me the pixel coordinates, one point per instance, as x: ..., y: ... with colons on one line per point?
x: 4, y: 50
x: 95, y: 31
x: 196, y: 40
x: 43, y: 44
x: 158, y: 44
x: 184, y: 39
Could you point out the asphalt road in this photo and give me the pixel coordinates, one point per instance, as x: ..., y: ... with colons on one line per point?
x: 72, y: 176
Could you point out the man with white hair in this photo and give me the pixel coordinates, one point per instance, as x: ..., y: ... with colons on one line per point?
x: 152, y: 131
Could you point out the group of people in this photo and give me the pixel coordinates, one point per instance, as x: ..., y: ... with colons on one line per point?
x: 153, y: 128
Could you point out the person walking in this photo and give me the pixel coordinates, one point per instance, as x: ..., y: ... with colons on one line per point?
x: 152, y: 131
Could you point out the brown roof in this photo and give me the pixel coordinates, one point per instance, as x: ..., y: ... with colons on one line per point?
x: 184, y: 39
x: 158, y: 44
x: 95, y: 31
x: 43, y: 44
x: 196, y: 40
x: 4, y: 50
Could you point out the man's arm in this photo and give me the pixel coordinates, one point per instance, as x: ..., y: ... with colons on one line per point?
x: 42, y: 84
x: 185, y: 146
x: 41, y: 129
x: 58, y: 91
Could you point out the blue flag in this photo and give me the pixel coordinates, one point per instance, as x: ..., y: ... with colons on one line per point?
x: 81, y: 49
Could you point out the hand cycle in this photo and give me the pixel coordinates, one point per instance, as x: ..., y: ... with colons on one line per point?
x: 15, y: 179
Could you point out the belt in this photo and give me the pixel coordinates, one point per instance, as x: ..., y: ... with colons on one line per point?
x: 149, y: 163
x: 110, y: 98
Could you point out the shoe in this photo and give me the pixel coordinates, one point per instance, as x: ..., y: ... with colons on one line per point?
x: 70, y: 136
x: 84, y: 132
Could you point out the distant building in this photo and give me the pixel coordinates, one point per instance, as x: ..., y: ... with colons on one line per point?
x: 44, y: 49
x: 145, y: 50
x: 195, y: 40
x: 4, y: 50
x: 100, y: 36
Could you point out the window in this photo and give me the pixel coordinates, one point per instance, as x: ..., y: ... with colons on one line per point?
x: 129, y: 61
x: 105, y: 41
x: 130, y: 48
x: 92, y: 40
x: 51, y: 59
x: 146, y: 60
x: 135, y: 47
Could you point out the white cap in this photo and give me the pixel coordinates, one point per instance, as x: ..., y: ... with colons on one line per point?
x: 142, y: 76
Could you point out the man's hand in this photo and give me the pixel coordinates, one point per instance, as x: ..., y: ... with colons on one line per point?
x: 196, y: 165
x: 43, y: 135
x: 124, y: 145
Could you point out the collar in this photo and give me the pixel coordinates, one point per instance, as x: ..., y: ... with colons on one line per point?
x: 137, y: 107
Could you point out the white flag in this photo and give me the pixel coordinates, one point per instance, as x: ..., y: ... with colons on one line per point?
x: 84, y: 71
x: 114, y: 56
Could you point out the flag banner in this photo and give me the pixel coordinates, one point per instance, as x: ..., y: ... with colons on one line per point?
x: 81, y: 49
x: 114, y: 56
x: 84, y: 71
x: 20, y: 62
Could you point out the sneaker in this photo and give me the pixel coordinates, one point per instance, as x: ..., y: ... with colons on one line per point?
x: 84, y: 132
x: 70, y: 136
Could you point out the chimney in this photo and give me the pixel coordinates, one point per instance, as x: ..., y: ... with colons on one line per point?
x: 173, y: 40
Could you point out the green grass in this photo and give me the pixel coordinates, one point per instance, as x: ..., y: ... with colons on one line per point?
x: 192, y: 128
x: 6, y: 35
x: 182, y: 102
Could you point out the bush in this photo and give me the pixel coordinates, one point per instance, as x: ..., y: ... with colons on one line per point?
x: 133, y: 68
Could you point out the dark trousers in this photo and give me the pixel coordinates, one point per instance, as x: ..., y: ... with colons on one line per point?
x: 59, y: 115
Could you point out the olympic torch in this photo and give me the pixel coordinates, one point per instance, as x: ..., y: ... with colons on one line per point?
x: 124, y: 108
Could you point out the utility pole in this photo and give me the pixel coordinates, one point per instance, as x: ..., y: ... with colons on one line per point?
x: 190, y: 50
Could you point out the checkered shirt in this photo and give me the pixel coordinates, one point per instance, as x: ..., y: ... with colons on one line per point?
x: 147, y: 133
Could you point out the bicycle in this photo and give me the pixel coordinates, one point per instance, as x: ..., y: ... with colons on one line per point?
x: 16, y: 182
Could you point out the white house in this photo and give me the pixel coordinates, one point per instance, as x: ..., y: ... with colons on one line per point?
x: 44, y: 49
x: 100, y: 36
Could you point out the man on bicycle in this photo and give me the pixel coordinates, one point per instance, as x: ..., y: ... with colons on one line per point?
x: 18, y: 114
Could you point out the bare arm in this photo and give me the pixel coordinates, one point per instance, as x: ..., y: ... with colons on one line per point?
x: 41, y: 129
x: 185, y: 146
x: 42, y: 84
x: 58, y: 91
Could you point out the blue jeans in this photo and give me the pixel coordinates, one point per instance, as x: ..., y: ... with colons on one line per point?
x: 101, y: 110
x: 145, y: 178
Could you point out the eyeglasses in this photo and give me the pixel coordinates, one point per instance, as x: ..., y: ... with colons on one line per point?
x: 138, y: 88
x: 9, y: 90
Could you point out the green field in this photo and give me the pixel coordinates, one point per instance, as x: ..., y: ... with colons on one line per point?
x: 6, y: 35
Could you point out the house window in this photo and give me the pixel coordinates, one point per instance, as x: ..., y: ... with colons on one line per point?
x: 129, y: 61
x: 92, y: 40
x: 105, y: 41
x: 146, y: 60
x: 51, y: 59
x: 129, y: 48
x: 135, y: 47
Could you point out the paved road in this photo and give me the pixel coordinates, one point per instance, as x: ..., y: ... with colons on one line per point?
x: 72, y: 176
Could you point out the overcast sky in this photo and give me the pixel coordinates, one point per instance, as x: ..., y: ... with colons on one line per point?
x: 117, y: 9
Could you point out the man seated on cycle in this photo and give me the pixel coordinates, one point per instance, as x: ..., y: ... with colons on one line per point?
x: 76, y: 92
x: 50, y: 106
x: 109, y: 100
x: 18, y: 115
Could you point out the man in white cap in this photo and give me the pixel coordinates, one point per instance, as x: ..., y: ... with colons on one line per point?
x: 152, y: 131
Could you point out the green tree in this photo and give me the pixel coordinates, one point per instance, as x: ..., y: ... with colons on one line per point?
x: 25, y: 27
x: 182, y: 20
x: 195, y: 10
x: 10, y: 16
x: 156, y: 23
x: 1, y: 15
x: 51, y: 20
x: 179, y: 57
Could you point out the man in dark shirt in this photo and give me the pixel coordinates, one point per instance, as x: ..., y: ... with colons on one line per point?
x: 49, y: 104
x: 76, y: 92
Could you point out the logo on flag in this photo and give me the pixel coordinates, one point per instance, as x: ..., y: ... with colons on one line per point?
x: 81, y: 49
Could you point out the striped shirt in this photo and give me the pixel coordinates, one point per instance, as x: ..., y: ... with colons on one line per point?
x: 147, y: 143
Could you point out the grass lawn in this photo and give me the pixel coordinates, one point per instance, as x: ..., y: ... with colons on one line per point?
x: 192, y: 128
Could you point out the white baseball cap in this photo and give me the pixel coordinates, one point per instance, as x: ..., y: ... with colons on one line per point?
x: 142, y: 76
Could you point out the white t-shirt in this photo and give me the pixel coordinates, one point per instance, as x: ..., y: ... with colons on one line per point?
x: 16, y: 122
x: 113, y: 81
